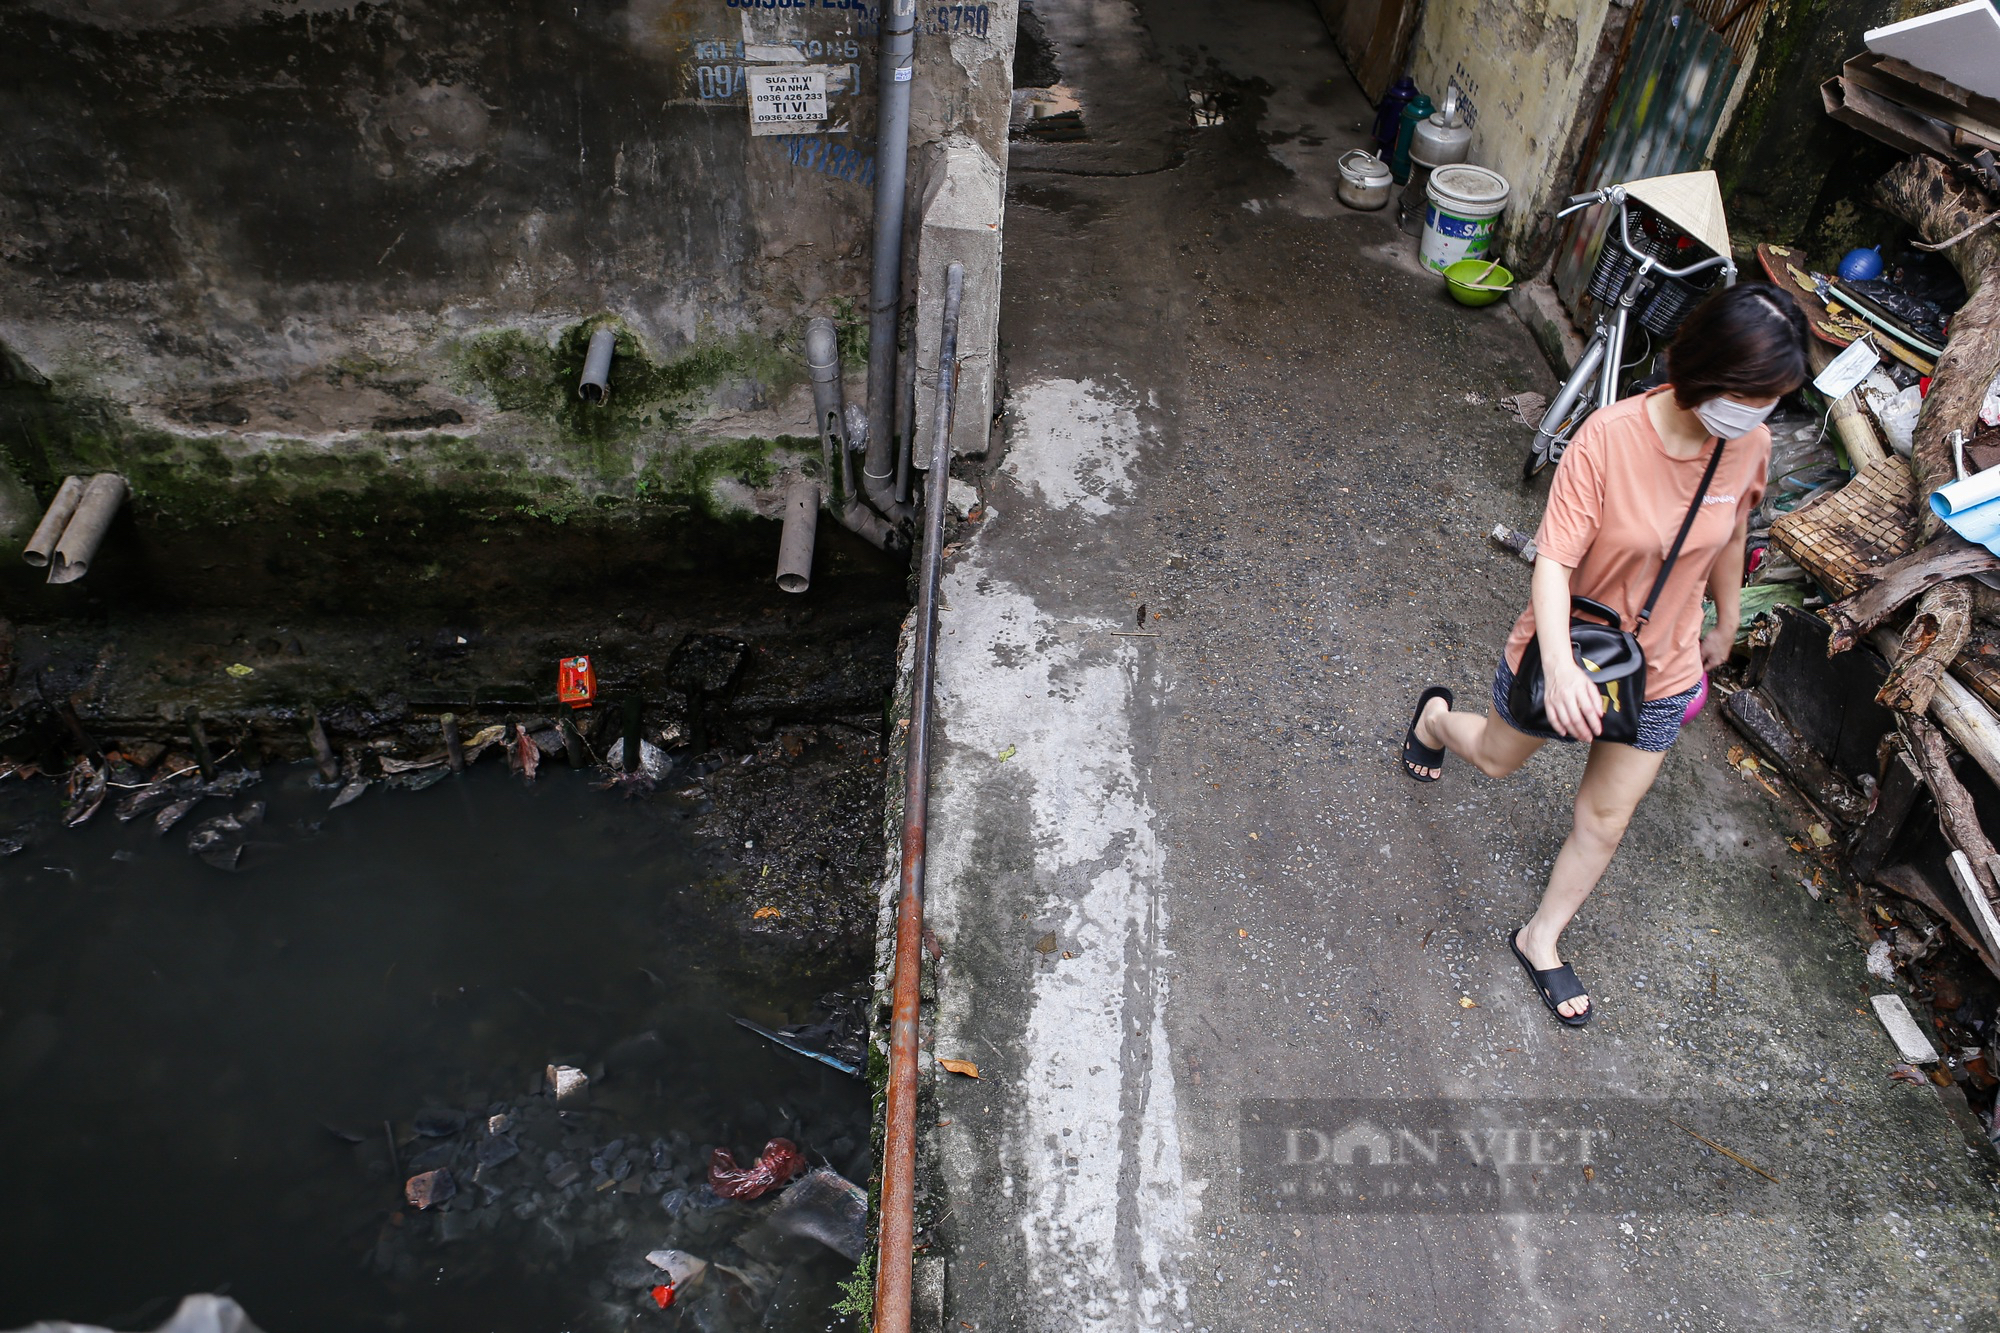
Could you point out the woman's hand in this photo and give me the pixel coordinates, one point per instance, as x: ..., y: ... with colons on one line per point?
x: 1574, y: 706
x: 1716, y: 646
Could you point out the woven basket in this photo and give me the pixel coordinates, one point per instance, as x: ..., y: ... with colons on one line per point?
x: 1843, y: 539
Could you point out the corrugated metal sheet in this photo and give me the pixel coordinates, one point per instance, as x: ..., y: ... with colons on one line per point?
x: 1668, y: 101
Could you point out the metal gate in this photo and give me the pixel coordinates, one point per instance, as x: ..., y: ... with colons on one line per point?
x: 1678, y: 68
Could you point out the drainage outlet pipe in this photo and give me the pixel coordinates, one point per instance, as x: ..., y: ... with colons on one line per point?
x: 829, y: 398
x: 50, y: 529
x: 795, y: 546
x: 885, y: 290
x: 596, y: 385
x: 86, y: 528
x: 840, y: 423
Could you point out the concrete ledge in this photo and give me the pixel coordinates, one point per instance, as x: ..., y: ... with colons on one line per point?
x: 961, y: 222
x: 1541, y: 310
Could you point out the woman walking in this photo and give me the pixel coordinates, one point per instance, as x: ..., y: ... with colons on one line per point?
x: 1688, y: 459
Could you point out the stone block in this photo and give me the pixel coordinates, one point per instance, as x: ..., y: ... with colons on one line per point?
x: 961, y: 222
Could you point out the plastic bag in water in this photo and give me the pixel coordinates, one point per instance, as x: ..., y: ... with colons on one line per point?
x: 778, y: 1164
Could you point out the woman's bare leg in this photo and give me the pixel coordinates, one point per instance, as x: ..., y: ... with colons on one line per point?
x: 1615, y: 779
x: 1485, y: 742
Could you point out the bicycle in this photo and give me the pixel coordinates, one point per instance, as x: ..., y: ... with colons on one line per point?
x: 1627, y: 274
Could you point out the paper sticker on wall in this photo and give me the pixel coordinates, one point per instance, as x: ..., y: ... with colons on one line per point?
x: 786, y: 101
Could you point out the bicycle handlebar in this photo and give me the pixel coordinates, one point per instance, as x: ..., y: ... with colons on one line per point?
x: 1615, y: 194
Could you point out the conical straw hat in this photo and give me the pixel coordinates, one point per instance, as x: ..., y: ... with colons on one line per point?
x: 1691, y: 201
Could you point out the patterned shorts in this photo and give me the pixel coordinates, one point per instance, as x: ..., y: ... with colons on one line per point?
x: 1659, y: 719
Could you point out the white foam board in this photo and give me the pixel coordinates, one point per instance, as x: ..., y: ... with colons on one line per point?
x: 1961, y: 44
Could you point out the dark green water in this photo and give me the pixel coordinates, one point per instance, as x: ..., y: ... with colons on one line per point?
x: 185, y: 1053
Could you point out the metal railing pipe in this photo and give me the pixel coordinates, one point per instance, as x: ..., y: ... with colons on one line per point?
x: 896, y: 1254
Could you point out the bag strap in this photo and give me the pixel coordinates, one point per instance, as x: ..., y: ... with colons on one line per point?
x: 1701, y: 493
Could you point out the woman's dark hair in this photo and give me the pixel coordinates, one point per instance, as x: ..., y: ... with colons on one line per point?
x: 1749, y: 340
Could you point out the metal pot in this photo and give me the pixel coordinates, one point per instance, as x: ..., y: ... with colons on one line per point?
x: 1364, y: 180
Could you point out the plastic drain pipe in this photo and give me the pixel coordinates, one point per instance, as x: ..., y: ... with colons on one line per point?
x: 596, y: 385
x: 833, y: 418
x: 49, y: 531
x: 86, y: 528
x: 899, y: 1116
x: 795, y: 546
x: 885, y: 291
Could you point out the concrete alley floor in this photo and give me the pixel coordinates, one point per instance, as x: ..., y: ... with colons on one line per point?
x: 1176, y: 877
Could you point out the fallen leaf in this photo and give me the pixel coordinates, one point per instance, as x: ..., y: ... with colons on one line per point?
x: 1046, y: 944
x: 1820, y: 837
x: 1906, y: 1074
x: 965, y: 1067
x: 240, y: 671
x: 1589, y: 1174
x: 765, y: 914
x: 1467, y: 1002
x: 1068, y: 954
x: 1242, y: 934
x: 1005, y: 754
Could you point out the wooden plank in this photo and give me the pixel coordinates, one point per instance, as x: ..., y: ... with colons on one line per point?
x: 1884, y: 120
x: 1901, y: 786
x: 1932, y: 98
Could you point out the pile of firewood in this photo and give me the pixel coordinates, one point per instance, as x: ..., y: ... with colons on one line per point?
x: 1943, y: 651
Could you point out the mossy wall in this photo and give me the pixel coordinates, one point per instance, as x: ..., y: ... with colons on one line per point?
x: 289, y: 266
x: 1789, y: 172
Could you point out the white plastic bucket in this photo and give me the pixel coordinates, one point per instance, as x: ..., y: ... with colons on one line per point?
x: 1463, y: 203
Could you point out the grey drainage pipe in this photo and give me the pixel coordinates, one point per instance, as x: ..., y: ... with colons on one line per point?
x: 49, y: 531
x: 596, y: 385
x: 85, y: 531
x: 795, y: 547
x: 836, y: 425
x: 885, y: 291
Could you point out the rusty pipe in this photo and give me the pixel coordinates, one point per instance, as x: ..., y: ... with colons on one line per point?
x: 897, y: 1245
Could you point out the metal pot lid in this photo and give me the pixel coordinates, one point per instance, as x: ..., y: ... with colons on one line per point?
x: 1365, y: 167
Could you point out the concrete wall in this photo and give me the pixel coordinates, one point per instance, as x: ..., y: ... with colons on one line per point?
x: 1787, y: 168
x: 1526, y: 68
x: 260, y: 249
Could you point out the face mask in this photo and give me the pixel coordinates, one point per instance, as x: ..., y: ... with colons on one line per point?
x: 1727, y: 419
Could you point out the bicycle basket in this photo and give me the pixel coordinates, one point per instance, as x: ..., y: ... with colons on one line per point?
x: 1661, y: 310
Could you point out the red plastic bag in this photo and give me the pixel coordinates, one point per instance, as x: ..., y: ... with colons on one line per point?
x: 780, y: 1162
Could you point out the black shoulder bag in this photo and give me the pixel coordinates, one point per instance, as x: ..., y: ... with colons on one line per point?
x: 1609, y: 656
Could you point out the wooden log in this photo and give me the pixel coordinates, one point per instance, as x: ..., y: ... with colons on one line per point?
x: 1966, y: 719
x: 1949, y: 557
x: 629, y: 757
x: 1931, y: 198
x: 577, y: 752
x: 454, y: 748
x: 1956, y: 814
x: 1931, y: 643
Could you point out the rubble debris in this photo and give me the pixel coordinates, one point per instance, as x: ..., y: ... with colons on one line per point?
x: 350, y: 793
x: 429, y: 1189
x: 1911, y: 1043
x: 86, y: 791
x: 778, y: 1163
x: 568, y: 1083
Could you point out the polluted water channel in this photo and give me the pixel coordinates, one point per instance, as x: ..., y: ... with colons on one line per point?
x: 458, y: 1058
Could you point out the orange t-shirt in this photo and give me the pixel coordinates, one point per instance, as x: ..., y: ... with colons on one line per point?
x: 1615, y: 505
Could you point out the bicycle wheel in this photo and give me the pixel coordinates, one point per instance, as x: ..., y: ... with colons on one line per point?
x: 1553, y: 436
x: 1573, y: 402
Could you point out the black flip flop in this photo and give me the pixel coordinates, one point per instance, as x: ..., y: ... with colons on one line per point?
x: 1416, y: 754
x: 1554, y: 985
